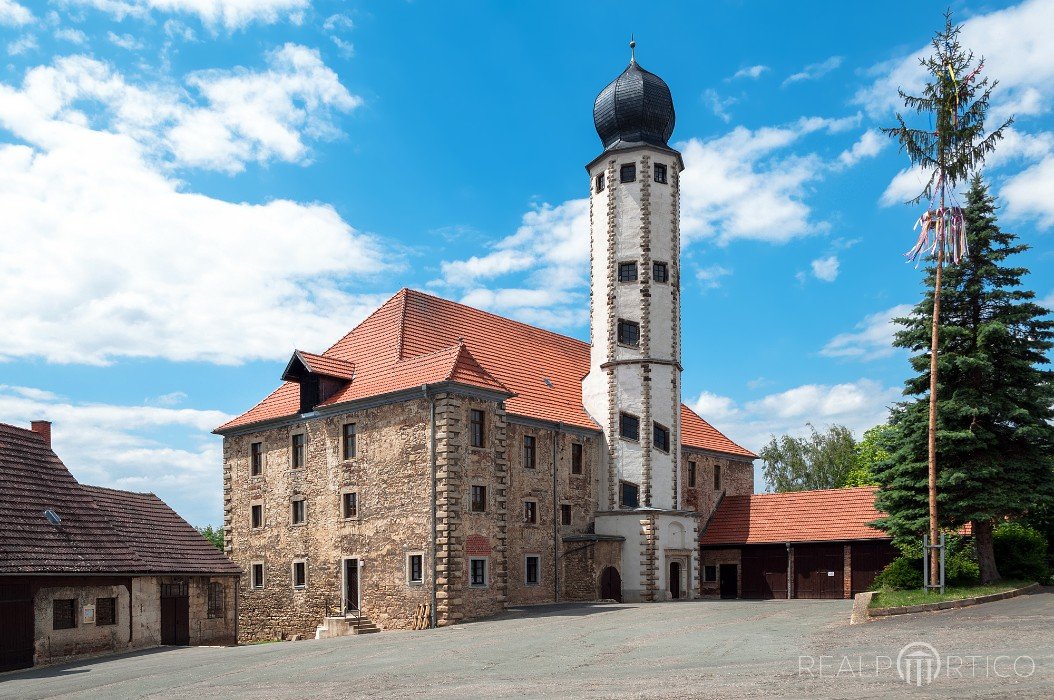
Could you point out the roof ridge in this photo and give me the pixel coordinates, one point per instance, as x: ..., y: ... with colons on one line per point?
x: 360, y: 324
x: 842, y: 489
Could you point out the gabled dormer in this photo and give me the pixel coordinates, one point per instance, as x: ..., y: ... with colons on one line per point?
x: 319, y: 377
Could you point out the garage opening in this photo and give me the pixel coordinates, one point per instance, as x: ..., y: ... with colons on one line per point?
x: 818, y: 571
x: 765, y: 572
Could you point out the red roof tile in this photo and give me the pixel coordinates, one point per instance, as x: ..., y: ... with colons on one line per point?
x: 416, y: 338
x: 830, y: 515
x: 327, y: 366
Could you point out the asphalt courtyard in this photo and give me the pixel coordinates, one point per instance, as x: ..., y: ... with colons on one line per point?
x: 727, y: 649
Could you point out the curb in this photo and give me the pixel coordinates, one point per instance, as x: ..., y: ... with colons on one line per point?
x: 863, y: 600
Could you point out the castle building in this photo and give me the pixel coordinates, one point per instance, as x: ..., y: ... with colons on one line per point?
x: 440, y: 463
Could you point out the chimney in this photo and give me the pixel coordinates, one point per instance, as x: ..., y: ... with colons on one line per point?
x: 43, y: 429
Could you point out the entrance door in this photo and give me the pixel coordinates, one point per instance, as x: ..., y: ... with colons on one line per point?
x: 729, y: 575
x: 818, y: 571
x: 175, y: 613
x: 351, y: 584
x: 675, y: 580
x: 16, y: 627
x: 611, y: 584
x: 868, y: 559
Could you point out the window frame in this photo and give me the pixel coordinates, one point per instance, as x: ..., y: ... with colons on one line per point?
x: 255, y: 508
x: 665, y: 276
x: 295, y: 503
x: 256, y: 458
x: 710, y: 573
x: 56, y: 604
x: 257, y: 583
x: 691, y: 473
x: 622, y: 485
x: 530, y: 512
x: 216, y: 603
x: 410, y: 580
x: 599, y: 183
x: 626, y: 279
x: 100, y: 606
x: 345, y: 453
x: 302, y: 564
x: 344, y: 503
x: 658, y: 429
x: 472, y: 574
x: 530, y: 452
x: 477, y: 421
x: 628, y: 325
x: 566, y: 514
x: 622, y: 417
x: 297, y: 450
x: 631, y: 168
x: 482, y: 501
x: 577, y: 459
x: 664, y: 178
x: 537, y: 569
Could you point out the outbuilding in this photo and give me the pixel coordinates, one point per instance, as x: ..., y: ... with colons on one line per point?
x: 803, y: 544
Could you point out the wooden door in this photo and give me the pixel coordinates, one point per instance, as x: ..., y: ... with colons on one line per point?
x: 868, y: 559
x: 351, y: 584
x: 175, y: 613
x: 611, y: 584
x: 765, y: 571
x: 729, y: 574
x: 16, y: 626
x: 818, y: 571
x: 675, y: 580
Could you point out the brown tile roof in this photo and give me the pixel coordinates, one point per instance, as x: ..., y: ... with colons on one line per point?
x: 830, y: 515
x: 416, y: 338
x: 88, y: 540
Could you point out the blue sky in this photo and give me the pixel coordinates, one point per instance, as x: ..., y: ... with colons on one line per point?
x: 192, y: 188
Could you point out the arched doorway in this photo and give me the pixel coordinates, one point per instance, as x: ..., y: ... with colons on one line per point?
x: 611, y: 584
x: 675, y: 579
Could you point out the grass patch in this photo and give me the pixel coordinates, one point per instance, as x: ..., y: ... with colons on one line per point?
x: 896, y: 599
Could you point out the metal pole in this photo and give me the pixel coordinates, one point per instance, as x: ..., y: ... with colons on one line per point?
x: 942, y: 562
x: 925, y: 562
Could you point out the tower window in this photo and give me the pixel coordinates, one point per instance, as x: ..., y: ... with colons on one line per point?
x: 629, y: 426
x: 660, y: 272
x: 627, y: 272
x: 476, y: 427
x: 479, y: 499
x: 691, y: 474
x: 660, y: 173
x: 629, y: 495
x: 576, y: 458
x: 599, y: 182
x: 628, y: 172
x: 661, y: 436
x: 628, y: 332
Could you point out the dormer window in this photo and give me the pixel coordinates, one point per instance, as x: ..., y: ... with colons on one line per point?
x: 660, y: 173
x: 628, y: 172
x: 320, y: 377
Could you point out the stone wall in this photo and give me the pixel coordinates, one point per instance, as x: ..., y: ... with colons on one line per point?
x: 737, y: 478
x: 583, y: 561
x: 716, y: 557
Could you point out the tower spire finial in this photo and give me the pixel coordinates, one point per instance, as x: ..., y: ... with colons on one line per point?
x: 632, y: 49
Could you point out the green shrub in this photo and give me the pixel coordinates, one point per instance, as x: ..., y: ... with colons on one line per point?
x: 1020, y: 552
x: 903, y: 573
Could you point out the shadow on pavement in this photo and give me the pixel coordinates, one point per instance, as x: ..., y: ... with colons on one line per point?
x: 81, y: 666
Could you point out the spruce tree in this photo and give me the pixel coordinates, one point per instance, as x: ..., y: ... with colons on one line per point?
x: 995, y: 441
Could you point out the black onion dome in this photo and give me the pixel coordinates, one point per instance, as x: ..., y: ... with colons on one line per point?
x: 635, y: 108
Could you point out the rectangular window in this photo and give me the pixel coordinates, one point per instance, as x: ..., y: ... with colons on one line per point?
x: 476, y: 427
x: 691, y: 474
x: 717, y: 477
x: 349, y: 504
x: 627, y: 173
x: 297, y: 451
x: 257, y: 515
x: 565, y: 514
x: 599, y: 182
x: 660, y: 272
x: 532, y: 565
x: 299, y: 574
x: 661, y: 436
x: 576, y: 458
x: 217, y: 594
x: 415, y: 568
x: 479, y: 499
x: 629, y: 426
x: 298, y: 511
x: 64, y: 614
x: 256, y: 459
x: 349, y: 440
x: 627, y: 272
x: 258, y: 576
x: 105, y: 611
x: 709, y: 573
x: 530, y: 512
x: 628, y: 332
x: 528, y: 451
x: 629, y: 495
x: 660, y: 173
x: 477, y: 569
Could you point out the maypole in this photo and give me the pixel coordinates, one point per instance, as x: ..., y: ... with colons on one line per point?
x: 949, y: 151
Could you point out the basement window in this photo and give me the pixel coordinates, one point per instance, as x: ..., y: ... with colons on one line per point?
x: 628, y: 172
x: 105, y: 611
x: 661, y: 436
x: 660, y: 272
x: 660, y: 173
x: 629, y: 426
x: 629, y: 495
x: 627, y: 272
x: 64, y: 614
x: 628, y: 333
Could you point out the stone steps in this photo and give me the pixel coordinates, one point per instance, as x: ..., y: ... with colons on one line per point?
x: 344, y: 626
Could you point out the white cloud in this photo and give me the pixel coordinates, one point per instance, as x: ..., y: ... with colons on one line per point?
x: 104, y: 255
x: 719, y: 105
x: 859, y: 405
x: 1047, y: 302
x: 230, y: 14
x: 124, y: 41
x: 22, y: 45
x: 335, y: 26
x: 869, y: 145
x: 825, y: 268
x: 14, y: 15
x: 814, y: 71
x: 129, y: 447
x: 710, y: 277
x: 74, y: 36
x: 1028, y: 193
x: 872, y: 339
x: 752, y: 72
x: 173, y: 398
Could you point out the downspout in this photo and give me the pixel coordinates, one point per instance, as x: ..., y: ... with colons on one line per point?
x: 432, y: 460
x: 556, y: 522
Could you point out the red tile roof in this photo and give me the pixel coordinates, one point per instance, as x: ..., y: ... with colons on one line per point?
x: 327, y: 366
x: 830, y: 515
x: 416, y: 338
x: 100, y: 530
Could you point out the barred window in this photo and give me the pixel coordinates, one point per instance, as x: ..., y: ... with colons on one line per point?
x: 217, y: 594
x: 477, y: 572
x: 105, y: 611
x: 64, y: 614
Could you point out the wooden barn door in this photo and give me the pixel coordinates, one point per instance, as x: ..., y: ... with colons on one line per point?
x: 16, y: 626
x: 175, y: 613
x: 868, y: 559
x: 765, y: 572
x: 818, y: 571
